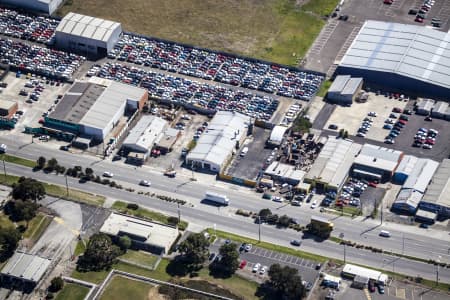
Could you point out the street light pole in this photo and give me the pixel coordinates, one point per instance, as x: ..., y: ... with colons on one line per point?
x: 437, y: 269
x: 179, y: 213
x: 4, y: 168
x: 341, y: 235
x: 67, y: 186
x: 259, y: 229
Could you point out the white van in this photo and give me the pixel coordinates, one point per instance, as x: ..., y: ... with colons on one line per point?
x: 244, y: 151
x: 385, y: 233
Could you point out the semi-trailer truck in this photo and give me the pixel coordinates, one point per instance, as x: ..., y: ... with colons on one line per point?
x: 217, y: 198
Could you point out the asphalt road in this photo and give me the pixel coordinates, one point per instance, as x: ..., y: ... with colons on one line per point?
x: 424, y: 243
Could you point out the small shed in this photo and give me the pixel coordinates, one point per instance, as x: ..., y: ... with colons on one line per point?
x: 425, y: 106
x: 440, y: 110
x: 360, y: 282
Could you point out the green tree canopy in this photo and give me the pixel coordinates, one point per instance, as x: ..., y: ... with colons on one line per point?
x: 20, y: 210
x: 100, y: 254
x: 28, y: 189
x: 195, y: 249
x: 230, y: 258
x: 56, y: 284
x: 9, y: 239
x: 124, y: 242
x: 264, y: 213
x: 41, y: 162
x: 286, y: 282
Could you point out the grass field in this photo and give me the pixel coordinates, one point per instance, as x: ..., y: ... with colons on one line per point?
x: 5, y: 222
x: 140, y: 257
x: 276, y: 30
x: 80, y: 248
x: 18, y: 160
x: 72, y: 292
x: 120, y: 288
x: 145, y: 213
x: 37, y: 226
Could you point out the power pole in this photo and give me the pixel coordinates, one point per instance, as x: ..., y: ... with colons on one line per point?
x: 67, y: 186
x: 4, y: 169
x: 259, y: 229
x: 179, y: 213
x: 341, y: 235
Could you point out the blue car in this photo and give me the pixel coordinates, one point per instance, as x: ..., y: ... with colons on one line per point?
x: 387, y: 126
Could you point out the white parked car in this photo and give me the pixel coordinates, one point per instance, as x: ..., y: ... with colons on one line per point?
x: 108, y: 174
x: 263, y: 270
x: 277, y: 199
x: 361, y: 134
x: 248, y: 247
x: 372, y: 114
x: 256, y: 267
x: 314, y: 204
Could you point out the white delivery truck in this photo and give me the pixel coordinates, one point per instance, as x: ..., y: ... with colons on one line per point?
x: 3, y: 148
x: 217, y: 198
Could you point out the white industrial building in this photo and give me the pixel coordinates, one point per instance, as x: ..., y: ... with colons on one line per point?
x: 424, y: 107
x: 218, y: 143
x: 376, y: 163
x: 353, y: 271
x: 441, y: 110
x: 146, y: 133
x: 145, y: 235
x: 404, y: 57
x: 92, y: 109
x: 344, y: 89
x: 437, y: 195
x: 24, y: 269
x: 45, y: 6
x: 421, y: 175
x: 88, y: 36
x: 331, y: 167
x: 285, y: 173
x: 276, y: 136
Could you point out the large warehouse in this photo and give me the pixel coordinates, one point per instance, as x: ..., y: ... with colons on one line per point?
x: 376, y: 163
x: 92, y: 110
x: 409, y: 58
x: 437, y: 195
x: 88, y: 36
x: 330, y: 169
x: 218, y: 143
x: 46, y: 6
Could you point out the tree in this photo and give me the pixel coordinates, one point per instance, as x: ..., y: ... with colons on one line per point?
x: 286, y: 282
x: 272, y: 219
x: 28, y: 189
x: 264, y: 213
x: 40, y: 163
x: 284, y: 221
x: 124, y: 243
x: 9, y: 239
x: 56, y: 284
x: 194, y: 250
x: 89, y: 172
x: 20, y: 210
x: 230, y: 258
x: 100, y: 254
x: 172, y: 220
x: 52, y: 164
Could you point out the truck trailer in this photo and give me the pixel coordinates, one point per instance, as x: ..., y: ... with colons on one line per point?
x: 217, y: 198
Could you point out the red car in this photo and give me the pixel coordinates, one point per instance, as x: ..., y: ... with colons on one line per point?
x: 397, y: 110
x: 419, y: 20
x: 404, y: 122
x: 372, y: 184
x: 388, y: 1
x: 242, y: 264
x: 430, y: 141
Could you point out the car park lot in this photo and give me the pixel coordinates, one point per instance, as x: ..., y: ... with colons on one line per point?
x: 306, y: 268
x: 351, y: 118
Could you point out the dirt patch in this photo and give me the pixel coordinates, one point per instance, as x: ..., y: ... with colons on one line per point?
x: 153, y: 294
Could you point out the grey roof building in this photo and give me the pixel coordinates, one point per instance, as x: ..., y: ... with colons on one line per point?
x: 344, y: 89
x: 406, y: 57
x: 217, y: 144
x: 441, y: 110
x: 331, y: 167
x: 145, y: 134
x: 89, y: 36
x: 437, y: 195
x: 24, y: 268
x: 425, y: 106
x: 46, y: 6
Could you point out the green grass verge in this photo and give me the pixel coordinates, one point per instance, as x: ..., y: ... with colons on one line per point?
x: 145, y: 213
x: 79, y: 248
x: 139, y: 257
x: 72, y: 291
x: 37, y: 226
x: 98, y: 277
x: 324, y: 88
x: 120, y: 288
x: 281, y: 249
x: 18, y: 160
x: 5, y: 222
x: 321, y: 7
x: 269, y: 29
x: 235, y: 284
x: 60, y: 191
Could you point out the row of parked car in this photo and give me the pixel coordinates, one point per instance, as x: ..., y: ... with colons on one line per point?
x: 396, y: 123
x: 186, y: 91
x: 220, y: 67
x: 40, y: 60
x: 26, y: 26
x: 425, y: 138
x: 421, y: 13
x: 366, y: 124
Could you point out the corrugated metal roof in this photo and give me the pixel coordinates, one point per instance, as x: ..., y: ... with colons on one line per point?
x: 88, y: 27
x: 339, y: 83
x: 334, y: 161
x: 409, y: 50
x: 147, y: 131
x: 426, y: 104
x: 26, y: 266
x: 113, y: 99
x: 219, y: 140
x: 276, y: 136
x: 408, y: 197
x: 441, y: 107
x: 352, y: 86
x: 421, y: 175
x: 378, y: 157
x: 285, y: 171
x: 439, y: 190
x: 407, y: 164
